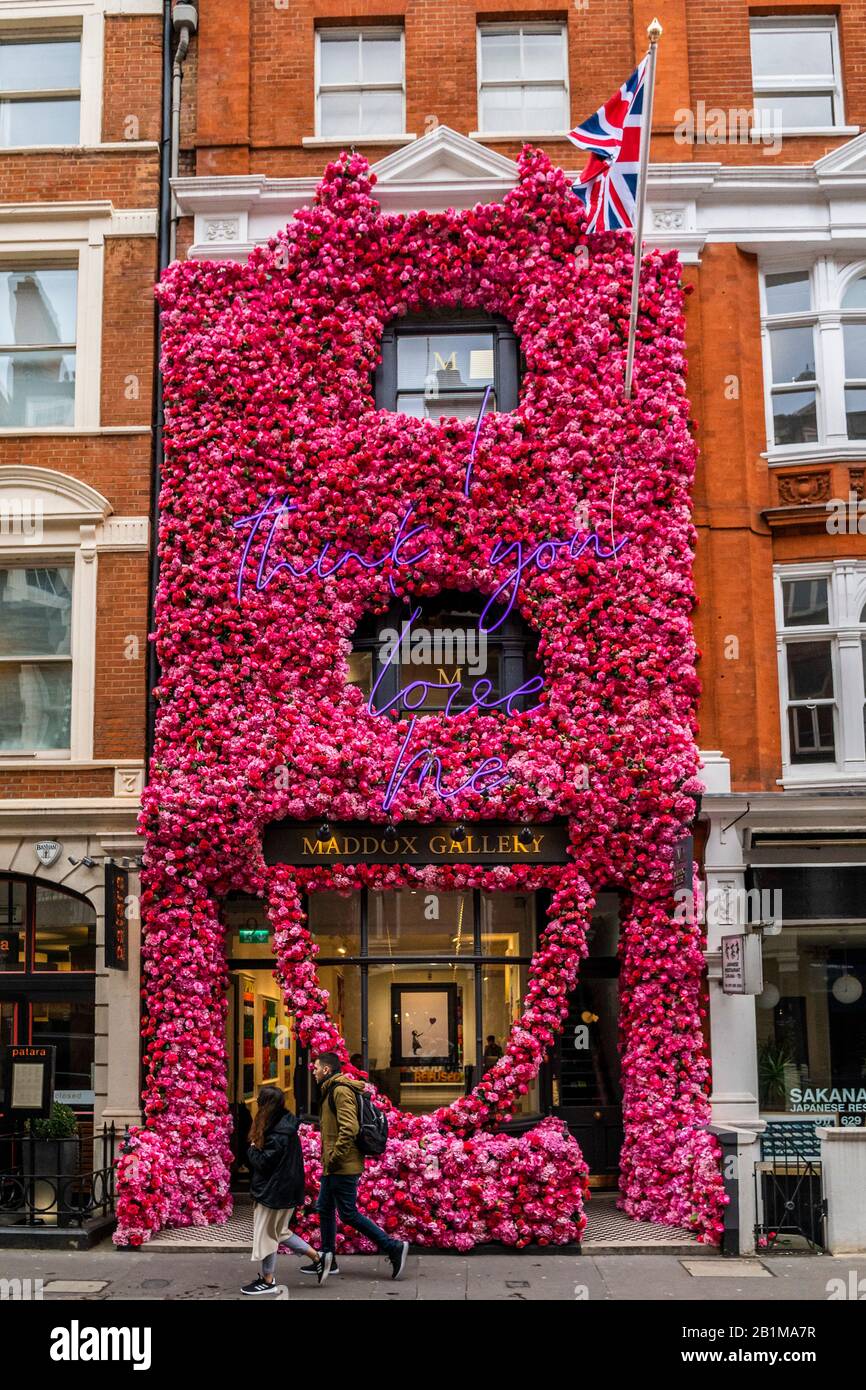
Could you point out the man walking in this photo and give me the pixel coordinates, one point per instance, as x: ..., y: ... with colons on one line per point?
x: 342, y: 1166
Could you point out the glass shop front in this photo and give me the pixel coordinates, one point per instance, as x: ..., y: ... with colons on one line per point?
x: 425, y: 987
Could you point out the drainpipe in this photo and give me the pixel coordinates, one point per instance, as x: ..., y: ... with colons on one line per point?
x: 180, y: 20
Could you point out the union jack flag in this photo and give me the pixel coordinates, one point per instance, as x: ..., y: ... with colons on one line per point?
x: 608, y: 185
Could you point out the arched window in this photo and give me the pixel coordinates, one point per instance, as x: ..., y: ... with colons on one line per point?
x: 433, y: 656
x: 854, y: 333
x: 443, y: 366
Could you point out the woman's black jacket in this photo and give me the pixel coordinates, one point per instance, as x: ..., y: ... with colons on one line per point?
x: 277, y: 1169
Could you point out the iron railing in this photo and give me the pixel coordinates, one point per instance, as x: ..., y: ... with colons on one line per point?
x: 58, y: 1182
x: 789, y: 1193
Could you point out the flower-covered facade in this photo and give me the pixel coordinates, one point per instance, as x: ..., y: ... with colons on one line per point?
x: 298, y: 508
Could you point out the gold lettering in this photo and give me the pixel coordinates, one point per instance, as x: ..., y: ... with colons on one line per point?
x: 450, y: 365
x: 456, y: 847
x: 504, y: 844
x: 409, y: 844
x: 326, y: 849
x: 437, y: 844
x: 537, y: 843
x: 312, y: 846
x: 351, y: 844
x: 370, y: 845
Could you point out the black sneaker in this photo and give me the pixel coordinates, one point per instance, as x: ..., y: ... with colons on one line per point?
x: 398, y: 1259
x: 313, y: 1267
x: 323, y: 1265
x: 259, y: 1285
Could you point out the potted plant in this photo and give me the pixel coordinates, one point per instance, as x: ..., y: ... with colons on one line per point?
x: 774, y: 1059
x: 51, y: 1152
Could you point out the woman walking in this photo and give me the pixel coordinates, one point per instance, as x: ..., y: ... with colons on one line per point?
x: 277, y: 1186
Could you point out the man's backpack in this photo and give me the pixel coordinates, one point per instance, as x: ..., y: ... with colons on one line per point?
x: 372, y: 1136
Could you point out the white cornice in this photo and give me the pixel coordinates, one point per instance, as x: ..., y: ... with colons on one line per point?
x: 765, y: 205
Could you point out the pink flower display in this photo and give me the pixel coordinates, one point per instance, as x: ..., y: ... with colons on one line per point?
x: 291, y: 508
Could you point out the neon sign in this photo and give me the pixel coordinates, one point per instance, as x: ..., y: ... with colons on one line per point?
x: 490, y: 772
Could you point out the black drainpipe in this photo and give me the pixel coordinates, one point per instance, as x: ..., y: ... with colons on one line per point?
x: 158, y: 452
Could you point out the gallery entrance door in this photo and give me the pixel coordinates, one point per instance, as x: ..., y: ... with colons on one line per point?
x: 585, y: 1088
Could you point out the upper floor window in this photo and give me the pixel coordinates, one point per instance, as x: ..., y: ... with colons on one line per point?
x: 815, y: 355
x: 438, y: 369
x: 40, y: 89
x: 796, y: 73
x: 821, y: 613
x: 443, y: 662
x: 523, y: 79
x: 35, y: 658
x: 38, y: 310
x: 360, y: 87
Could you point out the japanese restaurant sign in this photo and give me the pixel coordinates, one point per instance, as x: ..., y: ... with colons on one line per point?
x: 116, y: 920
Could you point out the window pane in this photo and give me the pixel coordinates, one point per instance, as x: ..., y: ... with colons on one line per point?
x: 13, y: 925
x: 810, y: 671
x: 340, y: 113
x: 40, y: 122
x: 421, y: 1033
x: 462, y: 406
x: 855, y: 350
x: 794, y: 109
x: 361, y: 670
x: 507, y: 924
x: 40, y: 66
x: 442, y: 362
x: 501, y: 109
x: 503, y: 989
x: 855, y: 295
x: 35, y: 611
x: 795, y: 417
x: 805, y: 602
x: 381, y: 59
x: 543, y: 54
x: 855, y: 412
x: 68, y: 1026
x: 37, y: 389
x: 544, y: 108
x: 812, y: 739
x: 500, y: 56
x: 37, y: 307
x: 247, y: 932
x: 461, y: 658
x: 343, y: 983
x: 35, y: 705
x: 792, y: 352
x: 339, y: 59
x: 778, y: 52
x: 408, y: 923
x: 381, y: 113
x: 65, y: 932
x: 335, y: 921
x: 788, y: 292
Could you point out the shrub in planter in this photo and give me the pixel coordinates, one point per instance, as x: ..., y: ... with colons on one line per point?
x: 51, y: 1153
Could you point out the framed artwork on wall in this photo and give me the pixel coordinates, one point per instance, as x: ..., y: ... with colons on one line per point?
x: 248, y: 1036
x: 270, y: 1054
x: 424, y: 1029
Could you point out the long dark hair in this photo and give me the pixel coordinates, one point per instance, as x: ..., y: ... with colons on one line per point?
x: 271, y: 1103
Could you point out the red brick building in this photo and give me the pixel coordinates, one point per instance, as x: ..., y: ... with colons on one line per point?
x: 79, y: 182
x: 758, y: 178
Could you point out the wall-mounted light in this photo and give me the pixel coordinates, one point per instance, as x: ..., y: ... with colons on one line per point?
x: 459, y: 832
x: 324, y: 831
x: 524, y: 835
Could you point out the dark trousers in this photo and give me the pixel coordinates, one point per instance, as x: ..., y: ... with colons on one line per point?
x: 338, y: 1192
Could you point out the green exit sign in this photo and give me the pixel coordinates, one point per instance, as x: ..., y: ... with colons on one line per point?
x: 254, y: 935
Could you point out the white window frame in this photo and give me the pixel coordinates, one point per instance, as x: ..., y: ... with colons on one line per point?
x: 521, y: 28
x: 794, y: 83
x: 829, y: 280
x: 45, y: 33
x: 846, y: 593
x: 10, y: 261
x: 361, y: 32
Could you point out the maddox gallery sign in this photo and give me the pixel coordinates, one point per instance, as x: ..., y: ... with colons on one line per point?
x: 491, y: 842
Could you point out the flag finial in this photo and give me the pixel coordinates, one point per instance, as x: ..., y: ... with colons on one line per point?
x: 654, y: 31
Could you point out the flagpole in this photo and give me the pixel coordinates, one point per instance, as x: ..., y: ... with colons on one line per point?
x: 654, y: 33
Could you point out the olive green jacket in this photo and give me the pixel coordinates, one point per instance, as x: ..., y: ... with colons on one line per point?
x: 340, y: 1153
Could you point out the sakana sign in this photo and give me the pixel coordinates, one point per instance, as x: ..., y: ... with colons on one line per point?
x: 292, y: 510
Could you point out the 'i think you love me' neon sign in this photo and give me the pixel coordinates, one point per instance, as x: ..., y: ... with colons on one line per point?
x: 517, y: 561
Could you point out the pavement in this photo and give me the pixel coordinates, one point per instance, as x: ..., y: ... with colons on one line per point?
x: 105, y: 1274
